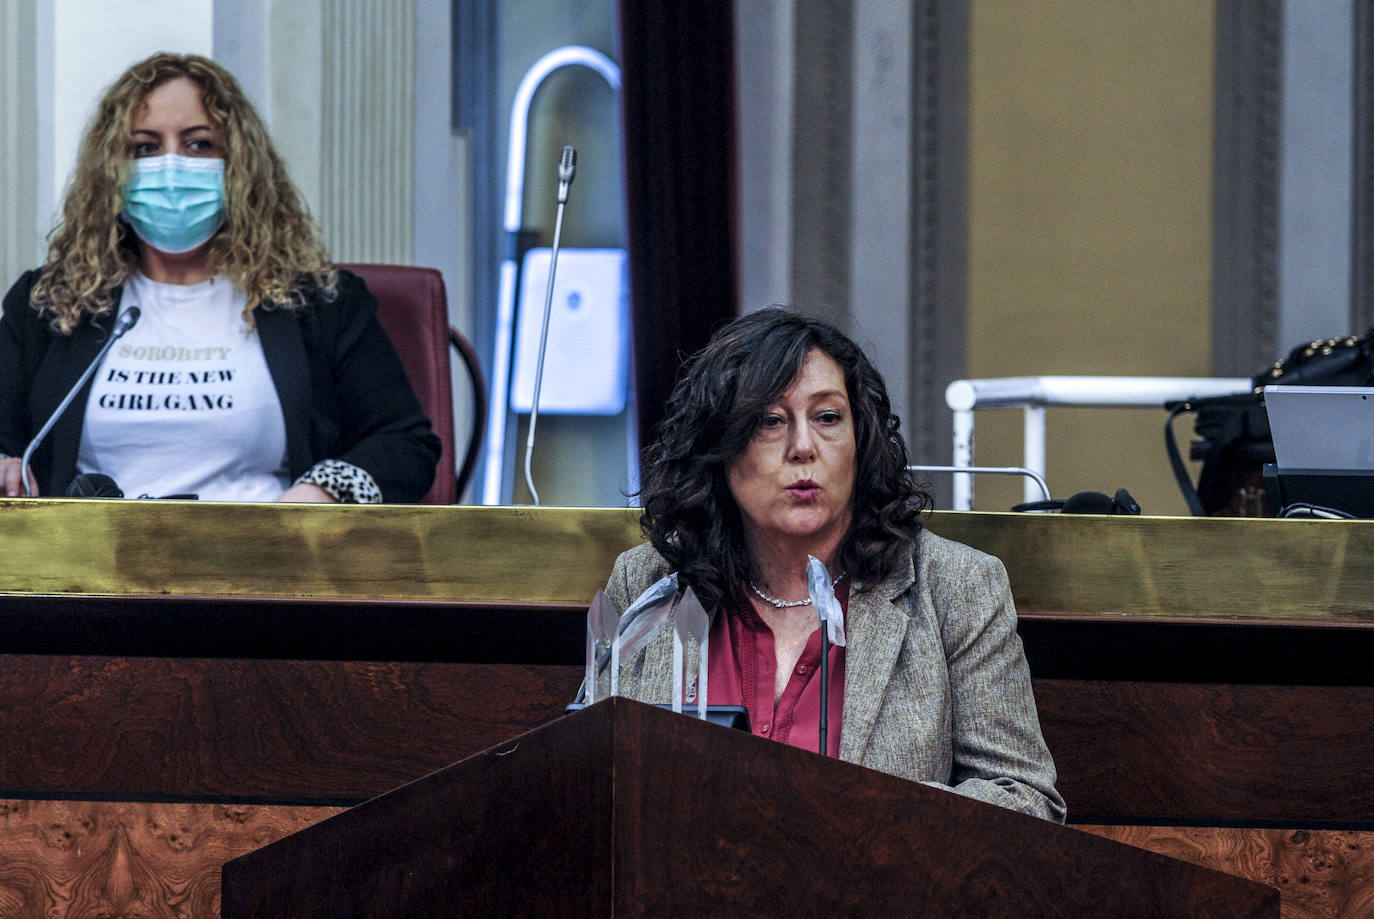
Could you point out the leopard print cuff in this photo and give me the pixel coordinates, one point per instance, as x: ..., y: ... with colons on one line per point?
x: 348, y: 484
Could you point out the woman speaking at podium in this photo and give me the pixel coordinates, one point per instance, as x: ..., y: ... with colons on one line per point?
x: 779, y: 444
x: 256, y: 370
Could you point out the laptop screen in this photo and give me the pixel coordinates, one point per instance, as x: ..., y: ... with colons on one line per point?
x: 1321, y: 427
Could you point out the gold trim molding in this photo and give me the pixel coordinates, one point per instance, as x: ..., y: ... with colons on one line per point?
x: 1306, y: 572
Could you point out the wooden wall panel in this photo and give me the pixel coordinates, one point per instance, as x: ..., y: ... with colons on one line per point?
x: 1211, y: 753
x: 309, y: 732
x: 335, y: 732
x: 1320, y: 874
x: 69, y: 859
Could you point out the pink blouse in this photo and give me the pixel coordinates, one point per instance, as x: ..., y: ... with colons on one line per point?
x: 741, y: 672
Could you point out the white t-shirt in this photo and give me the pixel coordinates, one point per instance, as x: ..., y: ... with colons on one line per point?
x: 184, y: 403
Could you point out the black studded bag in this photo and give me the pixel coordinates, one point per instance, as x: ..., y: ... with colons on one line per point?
x: 1233, y: 439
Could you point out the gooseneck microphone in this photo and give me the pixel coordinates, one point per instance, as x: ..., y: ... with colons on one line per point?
x: 567, y: 168
x: 821, y: 589
x: 124, y: 323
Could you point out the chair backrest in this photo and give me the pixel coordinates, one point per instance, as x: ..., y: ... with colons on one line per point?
x: 412, y: 307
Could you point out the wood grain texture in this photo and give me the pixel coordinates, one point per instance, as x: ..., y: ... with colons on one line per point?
x: 311, y: 732
x: 88, y: 859
x: 623, y: 809
x: 1214, y: 754
x: 328, y: 732
x: 1320, y: 874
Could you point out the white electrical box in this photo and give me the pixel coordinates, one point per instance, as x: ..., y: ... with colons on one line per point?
x: 586, y: 360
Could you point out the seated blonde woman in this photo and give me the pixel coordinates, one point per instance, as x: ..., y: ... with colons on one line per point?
x: 256, y: 371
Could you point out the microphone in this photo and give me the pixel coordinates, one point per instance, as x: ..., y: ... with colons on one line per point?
x: 1094, y: 502
x: 124, y: 323
x: 567, y: 168
x: 1086, y: 502
x: 94, y: 485
x: 821, y: 589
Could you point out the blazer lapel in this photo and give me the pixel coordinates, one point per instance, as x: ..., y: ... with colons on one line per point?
x: 875, y: 630
x: 284, y: 348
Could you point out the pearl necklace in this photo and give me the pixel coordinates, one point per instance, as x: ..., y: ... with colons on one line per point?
x: 784, y: 604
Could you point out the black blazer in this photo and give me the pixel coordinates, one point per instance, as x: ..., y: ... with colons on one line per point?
x: 343, y: 392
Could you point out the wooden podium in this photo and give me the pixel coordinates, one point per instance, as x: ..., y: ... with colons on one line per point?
x: 624, y: 809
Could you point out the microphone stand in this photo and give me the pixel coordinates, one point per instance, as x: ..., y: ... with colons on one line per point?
x: 123, y: 324
x: 825, y: 687
x: 825, y: 605
x: 567, y: 168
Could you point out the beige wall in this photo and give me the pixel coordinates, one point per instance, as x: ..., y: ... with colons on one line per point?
x: 1089, y: 224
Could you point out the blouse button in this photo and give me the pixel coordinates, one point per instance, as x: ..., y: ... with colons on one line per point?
x: 763, y: 728
x: 801, y: 668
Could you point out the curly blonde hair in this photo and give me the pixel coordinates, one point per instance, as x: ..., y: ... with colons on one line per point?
x: 267, y: 247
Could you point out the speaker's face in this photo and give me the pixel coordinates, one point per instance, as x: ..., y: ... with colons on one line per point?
x: 794, y: 481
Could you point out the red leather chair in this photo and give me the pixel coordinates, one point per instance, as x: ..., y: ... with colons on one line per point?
x: 413, y: 309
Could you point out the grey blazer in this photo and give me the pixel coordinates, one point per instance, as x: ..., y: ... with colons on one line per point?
x: 937, y: 689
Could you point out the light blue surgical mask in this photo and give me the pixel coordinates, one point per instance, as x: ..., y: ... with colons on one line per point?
x: 175, y: 203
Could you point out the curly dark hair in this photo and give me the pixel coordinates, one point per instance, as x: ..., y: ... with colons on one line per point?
x: 689, y: 513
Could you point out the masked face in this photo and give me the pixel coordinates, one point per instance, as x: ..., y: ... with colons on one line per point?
x: 175, y: 198
x: 175, y: 203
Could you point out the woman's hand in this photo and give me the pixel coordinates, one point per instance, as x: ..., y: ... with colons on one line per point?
x: 306, y: 493
x: 11, y: 485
